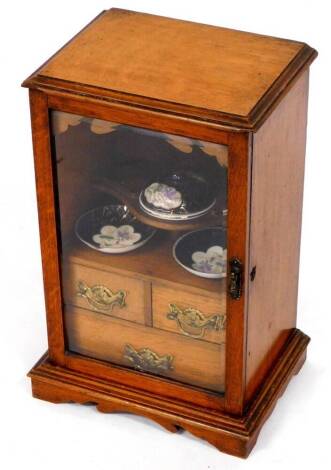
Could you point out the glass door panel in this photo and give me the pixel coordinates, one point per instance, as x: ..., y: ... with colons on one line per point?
x: 142, y: 218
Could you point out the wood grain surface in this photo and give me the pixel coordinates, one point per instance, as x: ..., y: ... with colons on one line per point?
x: 102, y: 337
x: 277, y: 189
x: 176, y: 65
x: 47, y: 209
x: 230, y: 434
x: 153, y: 261
x: 163, y: 296
x: 137, y: 293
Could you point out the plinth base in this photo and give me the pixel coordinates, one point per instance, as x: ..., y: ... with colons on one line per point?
x: 233, y: 435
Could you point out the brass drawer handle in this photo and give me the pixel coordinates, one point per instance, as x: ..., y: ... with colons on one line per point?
x: 194, y: 323
x: 147, y: 360
x: 101, y: 297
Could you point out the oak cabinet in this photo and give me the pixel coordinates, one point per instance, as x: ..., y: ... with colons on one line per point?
x: 169, y: 162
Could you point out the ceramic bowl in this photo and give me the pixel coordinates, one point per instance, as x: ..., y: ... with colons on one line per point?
x: 112, y: 229
x: 177, y: 197
x: 203, y: 252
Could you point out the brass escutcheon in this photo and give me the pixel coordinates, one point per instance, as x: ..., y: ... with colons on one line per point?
x: 101, y: 297
x: 194, y: 323
x: 147, y: 360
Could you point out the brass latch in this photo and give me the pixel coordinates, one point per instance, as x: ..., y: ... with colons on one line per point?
x: 235, y: 278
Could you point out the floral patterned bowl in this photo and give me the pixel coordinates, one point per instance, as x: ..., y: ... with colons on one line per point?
x: 180, y: 196
x: 212, y: 261
x: 112, y: 229
x: 164, y: 196
x: 111, y: 236
x: 203, y: 252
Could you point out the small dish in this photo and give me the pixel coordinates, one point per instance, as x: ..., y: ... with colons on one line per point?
x: 112, y: 229
x: 177, y: 197
x: 203, y: 252
x: 162, y: 196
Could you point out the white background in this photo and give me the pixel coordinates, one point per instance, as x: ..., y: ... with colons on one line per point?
x: 40, y: 435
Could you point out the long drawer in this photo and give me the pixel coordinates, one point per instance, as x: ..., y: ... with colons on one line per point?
x: 92, y: 334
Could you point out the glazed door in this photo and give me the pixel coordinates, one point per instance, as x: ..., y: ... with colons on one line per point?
x: 151, y: 243
x: 143, y: 218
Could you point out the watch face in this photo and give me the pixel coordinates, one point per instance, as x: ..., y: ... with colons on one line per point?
x: 203, y: 252
x: 178, y: 196
x: 112, y: 229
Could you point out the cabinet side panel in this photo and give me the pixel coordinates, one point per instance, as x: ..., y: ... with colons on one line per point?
x: 276, y: 206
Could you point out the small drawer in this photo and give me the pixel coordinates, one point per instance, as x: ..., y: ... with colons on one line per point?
x: 107, y: 293
x: 195, y: 316
x: 145, y: 349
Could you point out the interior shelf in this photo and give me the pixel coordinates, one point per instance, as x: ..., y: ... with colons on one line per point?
x: 113, y: 168
x: 152, y: 262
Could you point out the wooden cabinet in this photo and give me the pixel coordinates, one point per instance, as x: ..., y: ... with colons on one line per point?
x: 169, y: 180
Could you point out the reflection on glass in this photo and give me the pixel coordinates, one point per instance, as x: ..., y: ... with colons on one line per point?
x: 142, y: 217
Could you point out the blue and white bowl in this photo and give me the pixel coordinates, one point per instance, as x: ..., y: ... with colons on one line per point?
x: 203, y: 252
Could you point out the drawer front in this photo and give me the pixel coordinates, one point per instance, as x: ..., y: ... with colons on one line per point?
x: 107, y: 293
x: 192, y: 315
x: 146, y: 349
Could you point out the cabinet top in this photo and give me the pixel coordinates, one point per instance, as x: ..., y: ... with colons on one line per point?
x: 230, y: 77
